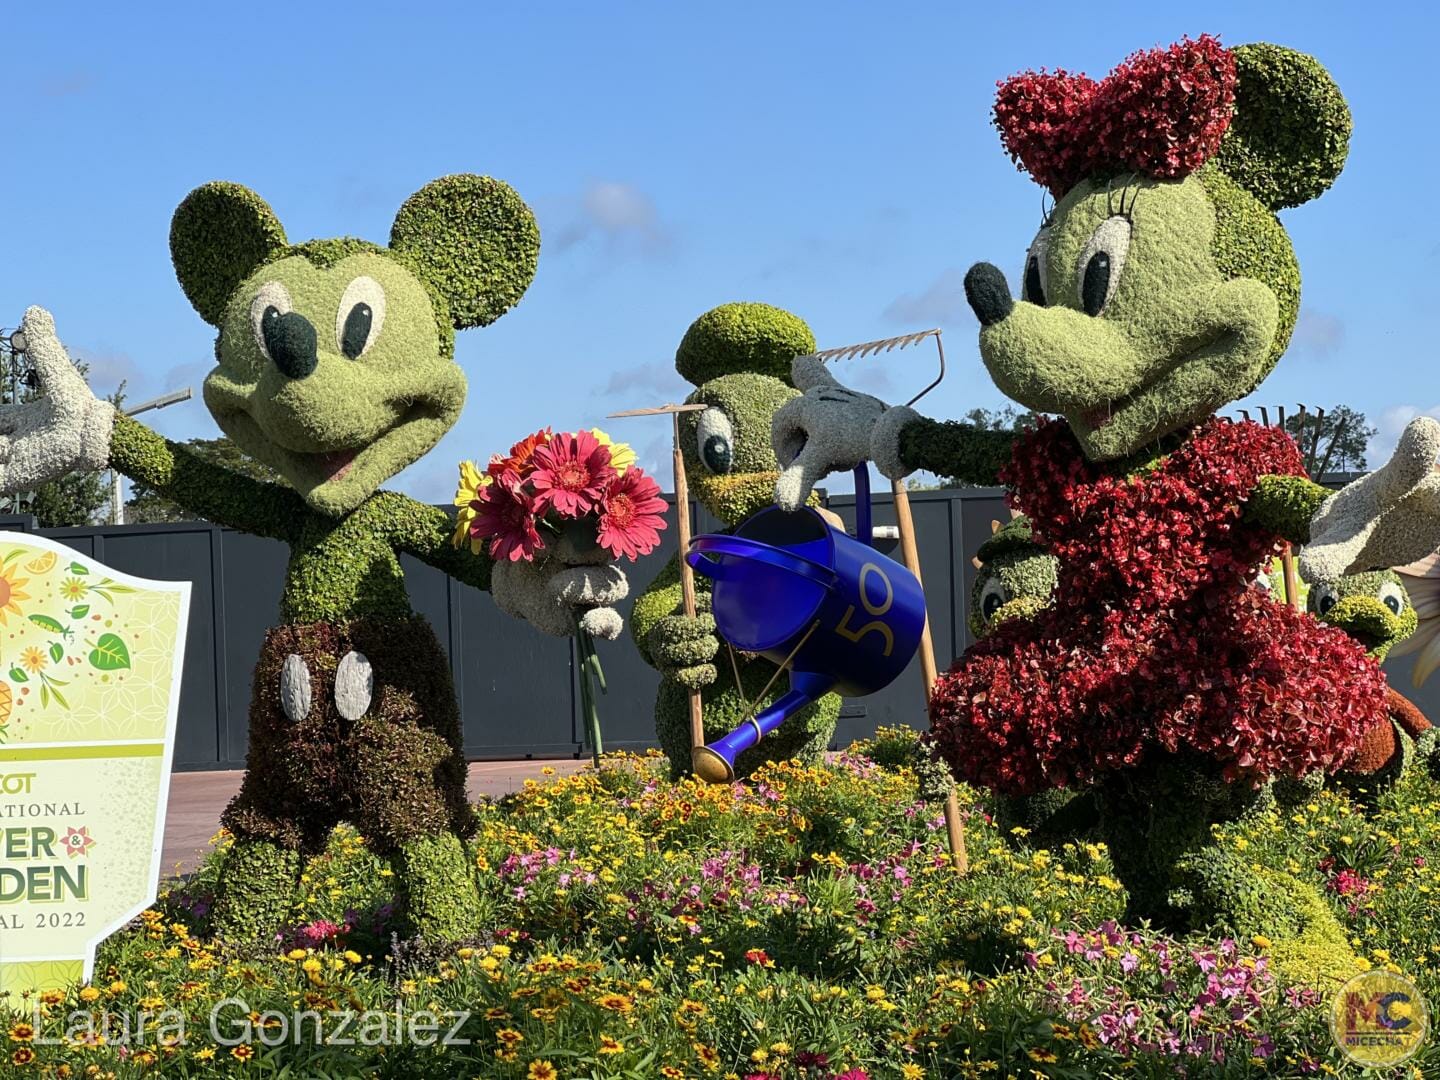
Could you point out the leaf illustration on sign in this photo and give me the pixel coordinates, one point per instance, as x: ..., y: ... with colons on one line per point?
x: 79, y: 611
x: 79, y: 568
x: 110, y: 653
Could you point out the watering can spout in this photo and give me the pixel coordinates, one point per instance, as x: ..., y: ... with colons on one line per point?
x: 715, y: 763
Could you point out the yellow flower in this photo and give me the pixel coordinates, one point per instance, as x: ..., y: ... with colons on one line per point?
x: 541, y: 1070
x: 610, y: 1046
x: 472, y: 481
x: 33, y: 658
x: 73, y: 589
x: 911, y: 1071
x: 622, y: 455
x: 21, y: 1032
x: 509, y: 1036
x: 11, y: 593
x: 242, y: 1053
x: 89, y: 994
x: 1260, y: 941
x: 616, y: 1003
x: 1043, y: 1056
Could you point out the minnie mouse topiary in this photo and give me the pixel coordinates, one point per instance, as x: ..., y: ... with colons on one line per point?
x: 1160, y: 288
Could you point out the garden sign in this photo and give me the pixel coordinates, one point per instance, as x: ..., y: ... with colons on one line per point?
x: 89, y: 686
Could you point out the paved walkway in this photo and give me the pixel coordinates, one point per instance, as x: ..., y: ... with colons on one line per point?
x: 197, y: 798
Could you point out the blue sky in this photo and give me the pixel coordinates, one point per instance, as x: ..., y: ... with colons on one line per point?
x: 835, y: 159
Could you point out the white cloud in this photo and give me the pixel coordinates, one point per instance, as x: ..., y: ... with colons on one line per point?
x: 1318, y: 333
x: 618, y: 215
x: 1388, y: 426
x: 942, y: 302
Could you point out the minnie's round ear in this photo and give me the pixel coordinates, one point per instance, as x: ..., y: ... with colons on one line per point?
x: 220, y: 233
x: 1291, y: 130
x: 473, y: 240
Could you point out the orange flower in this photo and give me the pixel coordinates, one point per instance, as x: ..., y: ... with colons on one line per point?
x: 11, y: 593
x: 541, y: 1070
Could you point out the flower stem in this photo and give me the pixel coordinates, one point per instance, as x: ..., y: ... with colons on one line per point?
x: 590, y: 667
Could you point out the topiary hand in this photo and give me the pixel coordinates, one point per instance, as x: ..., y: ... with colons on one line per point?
x: 65, y: 429
x: 826, y: 429
x: 1388, y: 518
x: 684, y: 648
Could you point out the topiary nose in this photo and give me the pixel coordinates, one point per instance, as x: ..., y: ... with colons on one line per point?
x: 290, y: 340
x: 988, y: 293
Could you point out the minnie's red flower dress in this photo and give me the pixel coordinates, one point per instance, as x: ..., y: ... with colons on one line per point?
x: 1156, y: 639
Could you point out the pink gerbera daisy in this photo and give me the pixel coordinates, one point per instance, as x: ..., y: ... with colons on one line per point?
x: 632, y: 517
x: 571, y: 474
x: 506, y: 517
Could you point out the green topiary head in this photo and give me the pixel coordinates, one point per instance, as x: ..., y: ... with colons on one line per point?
x: 755, y: 339
x: 1372, y: 607
x: 1016, y: 578
x: 335, y: 358
x: 1162, y: 286
x: 739, y: 356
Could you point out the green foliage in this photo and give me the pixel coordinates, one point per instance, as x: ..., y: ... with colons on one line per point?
x: 256, y: 886
x: 1284, y: 505
x: 435, y: 877
x: 1250, y: 243
x: 220, y: 233
x: 1344, y: 436
x: 474, y: 240
x: 745, y: 337
x: 1291, y: 131
x: 1356, y: 603
x: 147, y: 504
x: 964, y: 454
x: 79, y: 498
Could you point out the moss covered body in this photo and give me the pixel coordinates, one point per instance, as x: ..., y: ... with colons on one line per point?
x: 335, y: 366
x: 738, y: 354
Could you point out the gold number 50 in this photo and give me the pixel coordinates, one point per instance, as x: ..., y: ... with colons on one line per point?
x: 876, y: 625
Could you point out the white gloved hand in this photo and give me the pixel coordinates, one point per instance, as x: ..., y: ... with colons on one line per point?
x: 826, y: 429
x: 1389, y: 517
x: 549, y: 595
x: 63, y: 430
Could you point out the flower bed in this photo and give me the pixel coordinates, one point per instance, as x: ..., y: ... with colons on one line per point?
x: 800, y: 927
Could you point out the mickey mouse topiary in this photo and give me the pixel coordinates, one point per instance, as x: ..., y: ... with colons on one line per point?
x: 335, y: 366
x: 737, y: 354
x: 1160, y: 288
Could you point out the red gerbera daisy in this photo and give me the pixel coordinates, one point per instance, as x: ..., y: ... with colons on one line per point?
x: 505, y: 516
x: 632, y: 517
x: 571, y: 474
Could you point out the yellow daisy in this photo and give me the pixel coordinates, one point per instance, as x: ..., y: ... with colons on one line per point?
x: 622, y: 455
x: 472, y: 480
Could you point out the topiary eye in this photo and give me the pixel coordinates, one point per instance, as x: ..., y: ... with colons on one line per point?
x: 1032, y: 286
x: 715, y: 441
x: 271, y: 301
x: 1102, y: 261
x: 1325, y: 598
x: 1393, y: 597
x: 994, y: 595
x: 360, y: 316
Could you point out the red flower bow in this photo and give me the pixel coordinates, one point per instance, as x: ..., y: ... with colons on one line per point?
x: 1161, y: 113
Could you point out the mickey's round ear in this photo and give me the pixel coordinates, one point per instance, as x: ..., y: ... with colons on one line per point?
x: 474, y: 241
x: 1291, y: 131
x: 218, y: 236
x: 732, y: 338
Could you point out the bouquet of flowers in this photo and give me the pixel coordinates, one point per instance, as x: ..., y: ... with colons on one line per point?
x: 555, y: 514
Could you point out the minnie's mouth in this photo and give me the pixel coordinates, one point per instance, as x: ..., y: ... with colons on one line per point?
x: 336, y: 464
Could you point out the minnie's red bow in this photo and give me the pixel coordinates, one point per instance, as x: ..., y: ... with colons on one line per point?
x: 1161, y: 113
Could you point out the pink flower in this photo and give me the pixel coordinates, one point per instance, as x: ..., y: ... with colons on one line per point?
x: 572, y: 472
x: 506, y: 517
x: 632, y: 517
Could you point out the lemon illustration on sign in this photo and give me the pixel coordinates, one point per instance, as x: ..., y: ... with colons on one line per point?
x: 43, y: 563
x: 1379, y: 1018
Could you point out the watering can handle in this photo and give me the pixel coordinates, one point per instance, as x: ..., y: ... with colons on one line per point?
x: 758, y: 552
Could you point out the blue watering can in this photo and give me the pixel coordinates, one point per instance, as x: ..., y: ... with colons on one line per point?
x: 830, y: 608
